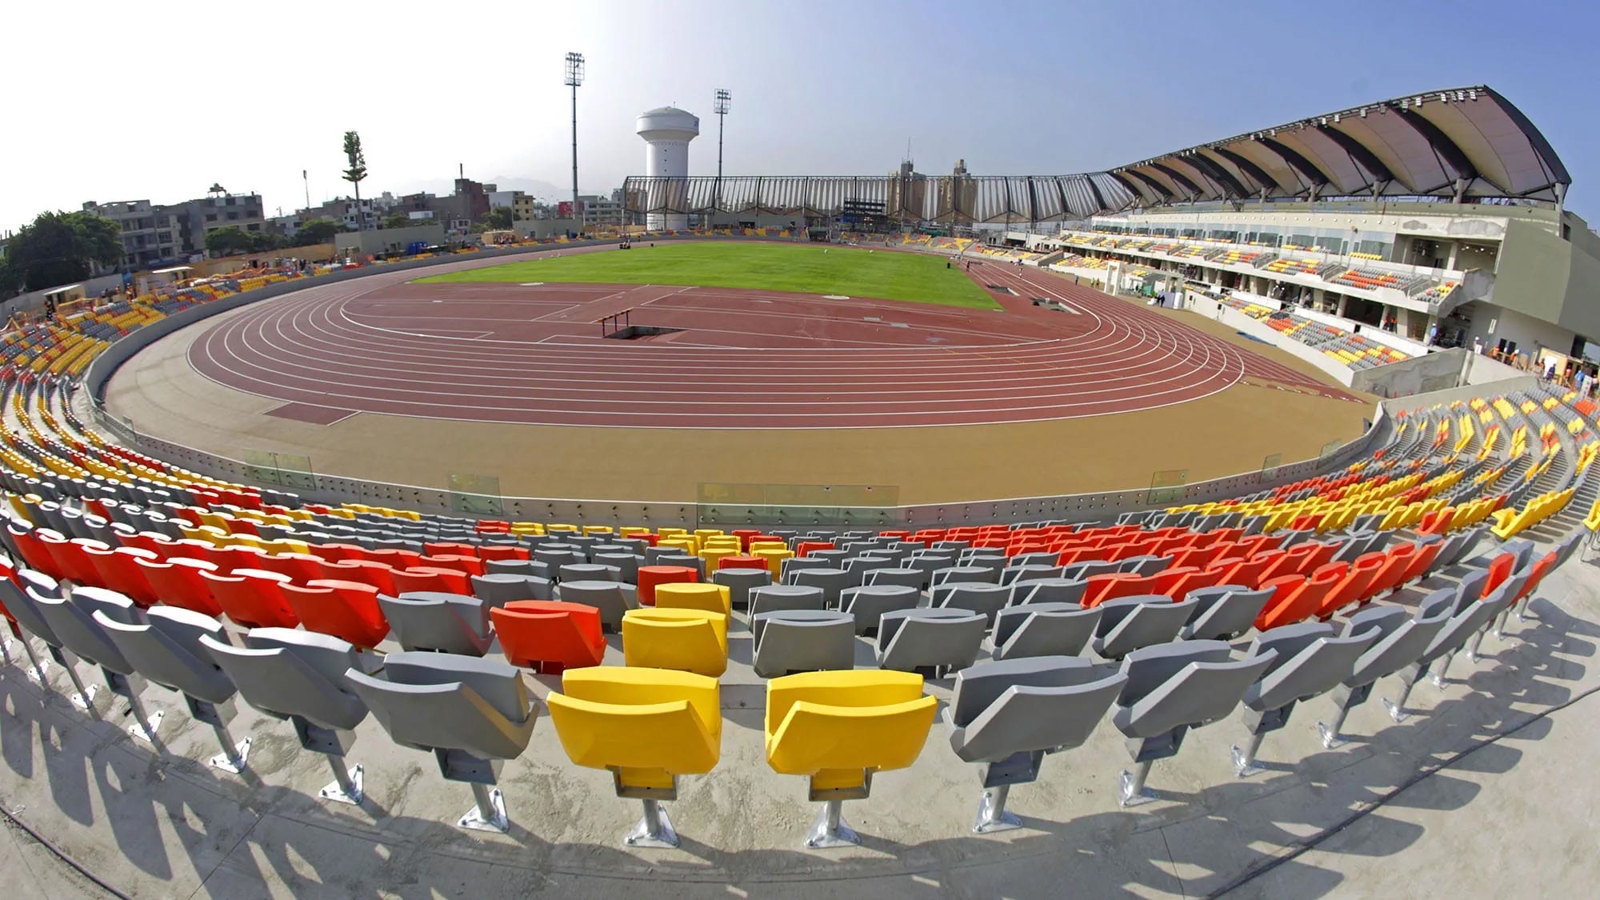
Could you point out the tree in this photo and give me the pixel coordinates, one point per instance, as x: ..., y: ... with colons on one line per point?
x: 229, y: 240
x: 396, y: 220
x: 60, y: 247
x: 266, y: 241
x: 498, y: 218
x: 357, y: 172
x: 316, y: 231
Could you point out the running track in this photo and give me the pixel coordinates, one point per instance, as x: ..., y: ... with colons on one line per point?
x: 533, y: 354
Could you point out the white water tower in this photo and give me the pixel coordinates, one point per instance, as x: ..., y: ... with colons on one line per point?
x: 667, y: 132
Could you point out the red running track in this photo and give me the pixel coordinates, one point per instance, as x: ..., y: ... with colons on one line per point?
x: 533, y: 354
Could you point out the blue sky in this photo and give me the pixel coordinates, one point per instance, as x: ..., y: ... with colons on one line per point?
x: 160, y: 100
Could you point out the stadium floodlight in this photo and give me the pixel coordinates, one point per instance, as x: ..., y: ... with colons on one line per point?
x: 723, y: 100
x: 574, y: 77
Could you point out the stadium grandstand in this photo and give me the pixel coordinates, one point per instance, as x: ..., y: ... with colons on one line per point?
x: 1192, y: 686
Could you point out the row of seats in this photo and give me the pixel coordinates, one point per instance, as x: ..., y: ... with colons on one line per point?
x: 650, y: 725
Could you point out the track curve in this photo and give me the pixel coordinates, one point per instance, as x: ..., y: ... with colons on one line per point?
x: 532, y: 354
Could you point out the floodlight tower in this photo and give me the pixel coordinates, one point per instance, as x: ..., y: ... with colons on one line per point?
x: 573, y: 79
x: 722, y: 103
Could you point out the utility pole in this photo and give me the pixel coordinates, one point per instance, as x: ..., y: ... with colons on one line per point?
x: 305, y: 178
x: 574, y: 78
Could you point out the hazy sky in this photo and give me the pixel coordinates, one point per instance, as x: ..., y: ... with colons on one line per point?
x: 112, y: 101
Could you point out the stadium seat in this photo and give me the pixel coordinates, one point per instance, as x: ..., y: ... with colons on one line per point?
x: 1223, y: 612
x: 647, y: 727
x: 549, y: 636
x: 695, y: 595
x: 1401, y: 639
x: 802, y: 640
x: 650, y: 576
x: 1008, y: 714
x: 868, y: 604
x: 1043, y: 629
x: 444, y: 623
x: 1172, y: 688
x: 345, y: 609
x: 1309, y: 661
x: 837, y: 729
x: 689, y: 640
x: 930, y: 642
x: 471, y: 713
x: 1129, y: 623
x: 252, y: 598
x: 164, y: 647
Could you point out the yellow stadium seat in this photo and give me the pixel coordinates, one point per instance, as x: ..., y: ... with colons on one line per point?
x: 691, y: 640
x: 774, y: 558
x: 715, y: 554
x: 647, y: 727
x: 695, y: 595
x: 839, y: 727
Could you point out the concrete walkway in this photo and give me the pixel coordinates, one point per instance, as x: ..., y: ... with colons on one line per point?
x: 1438, y: 805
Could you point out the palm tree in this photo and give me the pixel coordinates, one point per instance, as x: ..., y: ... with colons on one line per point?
x: 357, y: 171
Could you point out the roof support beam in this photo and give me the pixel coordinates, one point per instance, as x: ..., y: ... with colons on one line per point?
x: 1193, y: 189
x: 1362, y: 156
x: 1447, y: 149
x: 1230, y: 185
x: 1264, y: 182
x: 1299, y: 163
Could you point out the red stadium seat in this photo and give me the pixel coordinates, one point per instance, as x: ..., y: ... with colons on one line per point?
x: 549, y: 636
x: 428, y: 578
x: 252, y: 598
x: 118, y: 571
x: 348, y: 610
x: 1297, y: 598
x: 1353, y: 584
x: 492, y: 552
x: 471, y: 565
x: 300, y: 567
x: 650, y: 576
x: 177, y: 582
x: 1398, y: 561
x: 362, y: 571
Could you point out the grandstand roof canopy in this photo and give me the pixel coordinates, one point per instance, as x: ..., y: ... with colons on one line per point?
x: 1469, y: 143
x: 1464, y: 144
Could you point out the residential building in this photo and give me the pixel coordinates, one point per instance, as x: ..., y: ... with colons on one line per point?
x: 600, y: 211
x: 199, y: 218
x: 521, y: 204
x: 151, y: 233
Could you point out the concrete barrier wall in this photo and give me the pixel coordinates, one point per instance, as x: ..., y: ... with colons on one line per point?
x: 1436, y: 371
x: 333, y: 489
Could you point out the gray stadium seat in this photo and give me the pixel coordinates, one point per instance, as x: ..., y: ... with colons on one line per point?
x: 1007, y: 715
x: 1129, y: 623
x: 802, y: 640
x: 165, y: 649
x: 780, y: 597
x: 911, y: 578
x: 588, y: 572
x: 740, y: 582
x: 1048, y: 590
x: 1172, y: 688
x: 471, y: 713
x: 869, y: 603
x: 1311, y: 660
x: 832, y: 582
x: 71, y: 618
x: 611, y: 598
x: 1223, y: 612
x: 497, y: 589
x: 1043, y: 629
x: 433, y: 620
x: 1401, y: 640
x: 299, y: 676
x: 929, y: 641
x: 985, y: 599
